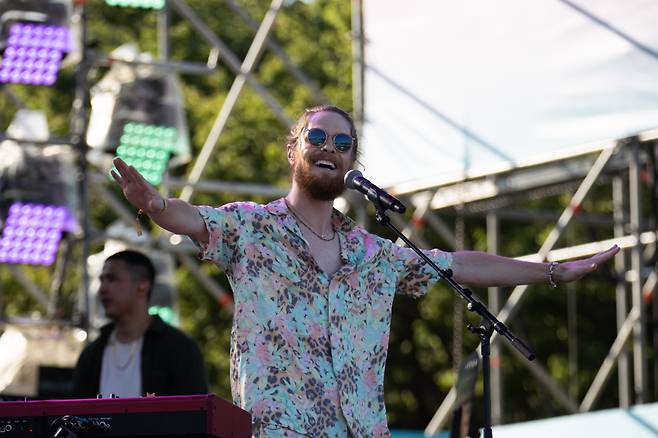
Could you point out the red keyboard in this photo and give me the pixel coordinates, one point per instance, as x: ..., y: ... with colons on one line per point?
x: 176, y: 416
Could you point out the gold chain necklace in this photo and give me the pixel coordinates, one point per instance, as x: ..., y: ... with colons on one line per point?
x: 299, y: 219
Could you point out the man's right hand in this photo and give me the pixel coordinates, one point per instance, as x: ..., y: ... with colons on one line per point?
x: 136, y: 189
x: 179, y: 217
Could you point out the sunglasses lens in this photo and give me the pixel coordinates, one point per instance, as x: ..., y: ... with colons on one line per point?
x: 316, y: 136
x: 343, y: 142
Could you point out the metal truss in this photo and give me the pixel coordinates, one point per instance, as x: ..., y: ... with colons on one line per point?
x: 615, y: 162
x: 97, y: 183
x: 244, y: 75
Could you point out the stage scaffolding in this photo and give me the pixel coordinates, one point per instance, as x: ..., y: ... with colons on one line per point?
x: 624, y: 164
x: 617, y: 162
x: 95, y: 180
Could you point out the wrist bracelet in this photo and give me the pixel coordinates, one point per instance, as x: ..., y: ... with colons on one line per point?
x: 551, y: 272
x: 165, y: 206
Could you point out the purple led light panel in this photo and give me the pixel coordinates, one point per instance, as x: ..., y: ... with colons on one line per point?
x: 32, y: 233
x: 33, y: 53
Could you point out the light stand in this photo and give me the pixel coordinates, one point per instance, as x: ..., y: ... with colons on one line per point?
x: 484, y: 331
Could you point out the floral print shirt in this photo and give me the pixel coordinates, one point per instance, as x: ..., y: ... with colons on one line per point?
x: 308, y: 350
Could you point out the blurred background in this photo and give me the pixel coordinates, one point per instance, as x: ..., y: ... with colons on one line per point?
x: 526, y: 129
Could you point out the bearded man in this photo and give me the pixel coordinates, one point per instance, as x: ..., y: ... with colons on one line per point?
x: 313, y: 291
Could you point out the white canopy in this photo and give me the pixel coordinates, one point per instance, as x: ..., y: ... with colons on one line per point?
x: 454, y: 88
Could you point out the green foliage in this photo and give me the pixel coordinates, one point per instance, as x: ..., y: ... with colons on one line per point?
x: 250, y: 148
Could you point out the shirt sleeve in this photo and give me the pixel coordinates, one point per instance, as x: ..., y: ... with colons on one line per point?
x: 415, y: 276
x: 223, y: 225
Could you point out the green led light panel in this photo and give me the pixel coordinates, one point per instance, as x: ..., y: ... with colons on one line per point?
x: 165, y: 313
x: 146, y: 4
x: 147, y: 148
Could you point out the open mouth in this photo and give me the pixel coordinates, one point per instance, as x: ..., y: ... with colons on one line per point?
x: 325, y: 164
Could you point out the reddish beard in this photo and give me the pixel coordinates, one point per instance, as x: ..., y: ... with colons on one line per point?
x: 320, y: 188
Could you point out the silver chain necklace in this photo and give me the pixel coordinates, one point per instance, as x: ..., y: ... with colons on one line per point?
x: 299, y: 219
x: 114, y: 345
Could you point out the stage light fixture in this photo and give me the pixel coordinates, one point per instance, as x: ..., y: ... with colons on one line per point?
x: 38, y: 192
x: 137, y: 114
x: 34, y: 53
x: 32, y: 233
x: 35, y: 37
x: 147, y: 148
x: 146, y: 4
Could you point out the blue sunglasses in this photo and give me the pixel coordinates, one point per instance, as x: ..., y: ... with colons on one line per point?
x: 318, y: 137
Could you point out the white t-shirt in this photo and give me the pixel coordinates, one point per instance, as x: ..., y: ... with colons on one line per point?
x: 121, y: 369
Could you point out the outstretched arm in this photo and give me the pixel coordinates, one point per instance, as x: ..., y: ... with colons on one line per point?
x: 481, y: 269
x: 172, y: 214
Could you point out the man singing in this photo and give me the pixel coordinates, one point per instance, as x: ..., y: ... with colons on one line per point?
x: 313, y: 291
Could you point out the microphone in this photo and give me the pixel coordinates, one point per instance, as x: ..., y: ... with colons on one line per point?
x: 354, y: 180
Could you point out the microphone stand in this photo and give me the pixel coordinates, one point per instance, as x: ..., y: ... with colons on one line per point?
x: 484, y: 331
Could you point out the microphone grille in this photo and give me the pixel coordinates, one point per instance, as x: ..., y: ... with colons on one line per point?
x: 350, y: 177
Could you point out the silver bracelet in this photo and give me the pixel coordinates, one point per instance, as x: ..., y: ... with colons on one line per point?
x: 551, y: 272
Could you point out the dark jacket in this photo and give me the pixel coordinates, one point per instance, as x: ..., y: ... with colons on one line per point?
x: 171, y: 363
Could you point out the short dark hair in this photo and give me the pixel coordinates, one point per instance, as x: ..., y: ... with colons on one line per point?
x: 298, y: 127
x: 139, y: 265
